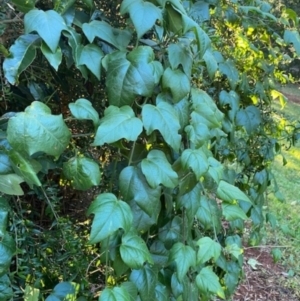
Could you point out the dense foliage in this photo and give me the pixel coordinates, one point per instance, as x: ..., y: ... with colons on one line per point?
x: 158, y: 111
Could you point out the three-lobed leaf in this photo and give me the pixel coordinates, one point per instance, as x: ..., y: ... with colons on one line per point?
x: 208, y: 249
x: 37, y: 130
x: 158, y: 170
x: 118, y: 123
x: 111, y: 215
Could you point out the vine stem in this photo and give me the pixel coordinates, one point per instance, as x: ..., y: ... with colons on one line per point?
x: 131, y: 153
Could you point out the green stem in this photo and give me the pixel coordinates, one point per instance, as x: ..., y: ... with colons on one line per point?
x: 131, y: 153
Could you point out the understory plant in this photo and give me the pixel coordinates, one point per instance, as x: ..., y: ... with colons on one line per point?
x: 176, y: 132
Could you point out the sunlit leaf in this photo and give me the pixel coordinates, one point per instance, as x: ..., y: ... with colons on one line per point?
x: 10, y: 184
x: 230, y: 193
x: 114, y: 294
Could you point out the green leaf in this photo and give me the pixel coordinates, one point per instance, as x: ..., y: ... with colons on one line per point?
x: 182, y: 109
x: 211, y: 63
x: 233, y: 212
x: 163, y: 118
x: 61, y: 6
x: 233, y: 249
x: 110, y: 215
x: 63, y: 291
x: 229, y: 193
x: 145, y: 280
x: 25, y: 167
x: 276, y: 254
x: 6, y: 292
x: 158, y: 170
x: 134, y: 251
x: 82, y: 172
x: 232, y: 99
x: 22, y: 54
x: 47, y: 24
x: 180, y: 54
x: 198, y: 134
x: 24, y: 6
x: 228, y: 68
x: 83, y: 109
x: 282, y: 98
x: 91, y: 56
x: 134, y: 186
x: 7, y: 251
x: 143, y: 14
x: 55, y: 58
x: 208, y: 249
x: 177, y: 82
x: 4, y: 211
x: 196, y: 160
x: 36, y: 130
x: 184, y: 256
x: 171, y: 233
x: 127, y: 79
x: 5, y: 166
x: 114, y: 294
x: 159, y: 253
x: 10, y: 184
x: 292, y: 37
x: 161, y: 293
x: 102, y: 30
x: 118, y: 123
x: 207, y: 280
x: 31, y: 293
x: 249, y: 118
x: 173, y: 19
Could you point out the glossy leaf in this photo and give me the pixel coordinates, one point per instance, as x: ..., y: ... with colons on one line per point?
x: 142, y: 13
x: 145, y: 280
x: 207, y: 280
x: 134, y: 186
x: 91, y: 56
x: 184, y: 256
x: 208, y: 249
x: 233, y: 212
x: 55, y: 58
x: 116, y: 37
x: 196, y: 160
x: 158, y: 170
x: 177, y: 82
x: 10, y: 184
x: 229, y: 193
x: 118, y: 123
x: 110, y: 215
x: 83, y: 109
x: 163, y: 118
x: 114, y: 294
x: 82, y: 172
x: 37, y: 130
x: 22, y: 54
x: 25, y: 167
x: 47, y: 24
x: 134, y: 251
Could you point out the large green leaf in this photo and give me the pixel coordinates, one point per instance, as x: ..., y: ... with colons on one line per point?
x: 162, y: 117
x: 31, y: 293
x: 10, y: 184
x: 55, y: 58
x: 22, y: 54
x: 7, y: 251
x: 145, y: 279
x: 249, y: 118
x: 142, y: 13
x: 178, y: 83
x: 211, y: 63
x: 5, y: 166
x: 180, y: 54
x: 233, y: 100
x: 118, y: 123
x: 196, y: 160
x: 102, y: 30
x: 134, y: 251
x: 91, y: 56
x: 198, y: 134
x: 292, y: 37
x: 171, y: 233
x: 111, y: 214
x: 207, y: 280
x: 229, y: 193
x: 114, y: 294
x: 161, y: 293
x: 228, y: 68
x: 47, y: 24
x: 134, y: 186
x: 24, y: 6
x: 233, y: 212
x: 63, y: 291
x: 25, y: 167
x: 82, y: 172
x: 83, y: 109
x: 6, y: 292
x: 158, y: 170
x: 184, y: 256
x: 208, y: 249
x: 36, y: 130
x: 127, y: 79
